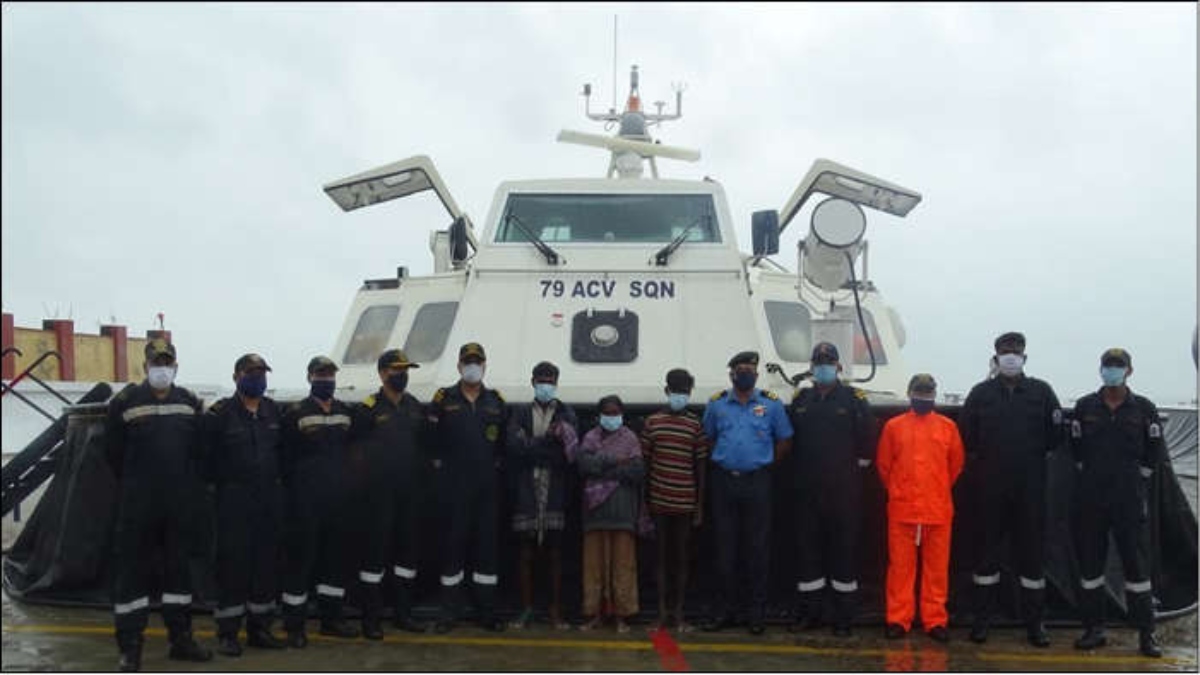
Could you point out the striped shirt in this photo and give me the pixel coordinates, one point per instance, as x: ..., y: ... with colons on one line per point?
x: 674, y: 445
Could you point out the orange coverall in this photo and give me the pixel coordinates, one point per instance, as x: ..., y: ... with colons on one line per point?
x: 919, y: 458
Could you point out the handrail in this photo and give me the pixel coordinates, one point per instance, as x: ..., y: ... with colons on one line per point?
x: 28, y: 372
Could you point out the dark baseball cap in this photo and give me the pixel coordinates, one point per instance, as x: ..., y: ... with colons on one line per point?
x: 824, y: 352
x: 395, y: 358
x: 922, y: 383
x: 319, y: 363
x: 471, y: 349
x: 1116, y: 357
x: 680, y: 380
x: 749, y: 358
x: 545, y: 369
x: 248, y: 361
x: 1011, y: 339
x: 159, y: 347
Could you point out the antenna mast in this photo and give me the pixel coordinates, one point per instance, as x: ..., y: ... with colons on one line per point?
x: 614, y: 80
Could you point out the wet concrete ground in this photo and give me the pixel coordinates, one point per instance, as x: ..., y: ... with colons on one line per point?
x: 49, y: 638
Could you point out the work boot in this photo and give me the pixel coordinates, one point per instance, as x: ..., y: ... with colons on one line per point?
x: 1092, y: 638
x: 131, y: 657
x: 1148, y: 644
x: 338, y: 628
x: 491, y: 623
x: 184, y: 648
x: 297, y: 639
x: 979, y: 630
x: 718, y: 623
x: 841, y: 629
x: 407, y: 623
x: 443, y: 626
x: 228, y: 645
x: 262, y: 638
x: 894, y: 631
x: 805, y: 623
x: 939, y: 634
x: 1036, y: 634
x: 371, y: 628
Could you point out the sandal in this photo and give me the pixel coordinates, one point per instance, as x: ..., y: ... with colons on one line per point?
x: 590, y: 624
x: 622, y: 627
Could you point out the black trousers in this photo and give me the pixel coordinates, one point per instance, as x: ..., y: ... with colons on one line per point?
x: 1013, y: 507
x: 247, y: 554
x: 827, y: 528
x: 741, y: 516
x: 1125, y: 518
x: 392, y: 521
x: 318, y: 526
x: 467, y: 499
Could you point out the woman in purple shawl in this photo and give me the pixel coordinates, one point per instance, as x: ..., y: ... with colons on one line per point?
x: 610, y: 461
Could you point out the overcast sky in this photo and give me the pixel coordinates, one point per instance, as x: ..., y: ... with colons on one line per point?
x: 169, y: 158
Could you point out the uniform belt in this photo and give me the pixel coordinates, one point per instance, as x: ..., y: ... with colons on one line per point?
x: 740, y: 473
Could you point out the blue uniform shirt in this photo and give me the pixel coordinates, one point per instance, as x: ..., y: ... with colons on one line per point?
x: 744, y: 435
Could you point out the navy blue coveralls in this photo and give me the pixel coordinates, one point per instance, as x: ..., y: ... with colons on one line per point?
x: 1118, y: 449
x: 468, y: 445
x: 243, y: 454
x: 315, y: 457
x: 392, y: 476
x: 1008, y: 432
x: 834, y: 441
x: 744, y: 437
x: 154, y: 446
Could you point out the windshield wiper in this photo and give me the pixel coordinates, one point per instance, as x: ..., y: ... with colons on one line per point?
x: 665, y: 252
x: 551, y: 255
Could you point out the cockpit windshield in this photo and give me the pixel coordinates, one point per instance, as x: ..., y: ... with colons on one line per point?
x: 624, y: 218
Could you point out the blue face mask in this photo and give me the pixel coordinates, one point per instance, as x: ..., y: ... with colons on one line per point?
x: 826, y: 373
x: 677, y: 401
x: 544, y: 392
x: 921, y: 406
x: 252, y: 385
x: 610, y: 422
x: 744, y: 381
x: 1113, y: 376
x: 322, y: 390
x: 398, y: 381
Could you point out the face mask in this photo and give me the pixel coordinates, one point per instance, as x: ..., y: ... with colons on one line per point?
x: 1113, y: 376
x: 544, y: 392
x: 610, y: 422
x: 161, y: 377
x: 921, y: 406
x: 398, y: 381
x: 472, y: 373
x: 744, y: 381
x: 826, y: 373
x: 322, y: 390
x: 677, y: 401
x: 252, y: 385
x: 1010, y: 364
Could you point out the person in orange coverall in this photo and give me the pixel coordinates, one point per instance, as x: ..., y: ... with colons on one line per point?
x: 920, y: 456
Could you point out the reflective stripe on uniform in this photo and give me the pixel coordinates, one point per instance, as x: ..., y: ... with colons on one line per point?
x: 452, y: 580
x: 139, y: 411
x: 808, y: 586
x: 484, y: 579
x: 1076, y: 429
x: 331, y: 591
x: 293, y: 600
x: 1146, y: 471
x: 844, y: 586
x: 1138, y: 586
x: 370, y: 577
x: 1033, y: 584
x: 131, y: 606
x: 322, y: 421
x: 986, y: 579
x: 265, y: 608
x: 177, y: 598
x: 404, y: 572
x: 1056, y: 417
x: 864, y: 463
x: 1092, y: 584
x: 229, y: 612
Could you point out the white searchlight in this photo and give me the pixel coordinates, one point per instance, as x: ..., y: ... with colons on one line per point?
x: 833, y: 243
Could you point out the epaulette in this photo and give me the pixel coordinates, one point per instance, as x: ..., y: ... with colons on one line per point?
x: 439, y: 395
x: 499, y: 395
x: 217, y: 407
x: 369, y: 401
x: 859, y: 393
x: 124, y: 393
x: 719, y: 395
x: 770, y: 394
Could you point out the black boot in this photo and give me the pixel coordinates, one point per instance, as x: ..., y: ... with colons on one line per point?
x: 1092, y: 638
x: 402, y: 618
x: 258, y: 633
x: 332, y: 623
x: 371, y: 628
x: 131, y: 653
x: 1148, y: 645
x: 228, y: 645
x: 294, y: 624
x: 184, y: 648
x: 1033, y: 601
x: 297, y: 639
x: 985, y: 600
x: 1036, y: 633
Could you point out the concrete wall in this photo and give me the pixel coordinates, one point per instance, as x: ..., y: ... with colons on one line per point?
x: 111, y: 356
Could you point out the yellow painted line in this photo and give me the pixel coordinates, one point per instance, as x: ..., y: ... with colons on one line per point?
x: 685, y: 647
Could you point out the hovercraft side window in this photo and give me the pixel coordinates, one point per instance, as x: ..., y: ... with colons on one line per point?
x: 371, y: 334
x: 791, y: 329
x: 629, y: 219
x: 861, y: 355
x: 430, y: 330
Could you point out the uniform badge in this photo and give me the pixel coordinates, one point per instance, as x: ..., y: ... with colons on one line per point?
x: 1056, y: 416
x: 492, y: 432
x: 1155, y: 431
x: 760, y: 410
x: 1076, y: 429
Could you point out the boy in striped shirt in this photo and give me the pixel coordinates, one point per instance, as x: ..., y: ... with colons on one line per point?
x: 675, y: 449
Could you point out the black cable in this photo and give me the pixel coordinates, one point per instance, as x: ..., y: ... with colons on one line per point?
x: 861, y: 321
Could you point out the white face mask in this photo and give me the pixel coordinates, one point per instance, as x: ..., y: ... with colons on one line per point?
x: 472, y: 373
x: 161, y: 377
x: 1010, y: 364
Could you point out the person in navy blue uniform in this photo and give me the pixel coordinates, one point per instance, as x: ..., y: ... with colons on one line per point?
x: 242, y: 436
x: 1117, y: 444
x: 316, y: 434
x: 834, y: 444
x: 154, y: 446
x: 468, y: 437
x: 392, y: 422
x: 1009, y: 424
x: 749, y: 430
